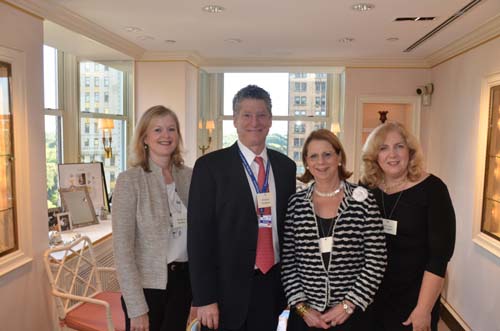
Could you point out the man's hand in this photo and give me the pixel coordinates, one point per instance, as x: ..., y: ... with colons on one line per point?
x: 209, y: 316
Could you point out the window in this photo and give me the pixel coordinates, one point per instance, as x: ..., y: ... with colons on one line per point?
x: 299, y: 128
x: 298, y: 142
x: 320, y: 86
x: 300, y: 87
x: 53, y: 122
x: 84, y: 144
x: 291, y: 121
x: 109, y: 126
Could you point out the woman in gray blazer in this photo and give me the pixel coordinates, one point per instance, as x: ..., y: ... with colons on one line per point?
x: 150, y: 226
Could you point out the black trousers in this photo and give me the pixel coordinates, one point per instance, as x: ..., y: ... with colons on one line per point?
x: 267, y: 302
x: 358, y: 321
x: 168, y: 309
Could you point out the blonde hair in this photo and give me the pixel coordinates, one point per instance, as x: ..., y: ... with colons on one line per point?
x: 138, y: 151
x: 371, y: 173
x: 331, y: 138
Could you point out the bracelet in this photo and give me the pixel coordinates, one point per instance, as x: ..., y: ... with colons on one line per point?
x: 347, y: 308
x: 301, y: 309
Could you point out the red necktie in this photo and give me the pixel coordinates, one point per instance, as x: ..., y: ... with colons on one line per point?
x: 265, y: 252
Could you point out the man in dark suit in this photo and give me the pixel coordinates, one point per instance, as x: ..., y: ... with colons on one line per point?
x: 237, y: 205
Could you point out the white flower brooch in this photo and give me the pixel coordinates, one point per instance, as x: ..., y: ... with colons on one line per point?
x: 360, y: 194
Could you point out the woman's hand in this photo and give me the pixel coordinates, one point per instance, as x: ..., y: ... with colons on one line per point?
x: 337, y: 314
x: 192, y: 314
x: 140, y: 323
x: 419, y: 319
x: 312, y: 317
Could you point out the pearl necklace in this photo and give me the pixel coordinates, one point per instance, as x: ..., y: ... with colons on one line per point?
x: 329, y: 194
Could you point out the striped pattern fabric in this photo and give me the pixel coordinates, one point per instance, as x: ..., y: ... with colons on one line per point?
x: 358, y: 256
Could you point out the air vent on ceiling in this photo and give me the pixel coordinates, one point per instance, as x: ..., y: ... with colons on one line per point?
x: 414, y: 19
x: 441, y: 26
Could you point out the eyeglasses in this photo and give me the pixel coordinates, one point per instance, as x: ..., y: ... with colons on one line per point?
x: 326, y: 156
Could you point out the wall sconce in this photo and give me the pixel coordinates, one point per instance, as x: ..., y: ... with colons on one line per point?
x: 209, y: 126
x: 107, y: 124
x: 383, y: 116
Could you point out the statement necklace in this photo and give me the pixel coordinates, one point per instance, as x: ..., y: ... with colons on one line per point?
x: 329, y: 194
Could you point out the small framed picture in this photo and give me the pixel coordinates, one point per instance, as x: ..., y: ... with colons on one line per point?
x: 63, y: 222
x: 53, y: 219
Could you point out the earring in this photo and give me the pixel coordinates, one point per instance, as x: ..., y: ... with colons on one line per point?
x: 340, y: 164
x: 146, y: 147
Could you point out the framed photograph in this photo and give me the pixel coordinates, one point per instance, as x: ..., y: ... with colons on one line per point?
x: 90, y: 175
x: 63, y: 222
x: 52, y: 215
x: 76, y: 201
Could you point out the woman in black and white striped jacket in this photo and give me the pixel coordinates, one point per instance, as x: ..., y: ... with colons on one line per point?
x: 334, y: 253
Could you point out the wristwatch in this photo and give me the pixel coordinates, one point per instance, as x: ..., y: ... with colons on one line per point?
x: 348, y: 309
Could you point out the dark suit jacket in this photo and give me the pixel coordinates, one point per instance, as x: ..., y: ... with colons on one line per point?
x: 222, y: 229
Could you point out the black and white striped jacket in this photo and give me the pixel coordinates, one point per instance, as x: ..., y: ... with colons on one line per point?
x: 357, y: 260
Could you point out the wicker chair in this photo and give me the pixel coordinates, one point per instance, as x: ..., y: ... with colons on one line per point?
x: 77, y: 287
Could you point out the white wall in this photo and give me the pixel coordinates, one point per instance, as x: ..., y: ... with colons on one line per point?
x: 24, y: 295
x: 452, y: 134
x: 173, y: 85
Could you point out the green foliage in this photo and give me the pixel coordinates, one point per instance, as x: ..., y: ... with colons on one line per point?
x: 51, y: 168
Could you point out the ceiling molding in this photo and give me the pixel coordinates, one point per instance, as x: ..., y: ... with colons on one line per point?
x: 485, y: 33
x: 316, y: 62
x: 68, y: 19
x: 192, y: 58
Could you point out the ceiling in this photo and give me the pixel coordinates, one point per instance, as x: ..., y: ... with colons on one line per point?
x: 278, y: 29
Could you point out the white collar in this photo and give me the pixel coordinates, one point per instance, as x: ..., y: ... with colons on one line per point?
x: 250, y: 155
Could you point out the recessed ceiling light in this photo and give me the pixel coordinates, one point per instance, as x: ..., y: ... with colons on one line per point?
x: 363, y: 6
x: 392, y: 39
x: 233, y: 40
x: 213, y: 9
x: 346, y: 40
x: 132, y: 29
x: 170, y: 41
x: 145, y: 38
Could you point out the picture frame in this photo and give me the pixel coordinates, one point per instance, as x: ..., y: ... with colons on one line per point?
x: 90, y: 175
x: 63, y: 222
x: 52, y: 218
x: 77, y: 202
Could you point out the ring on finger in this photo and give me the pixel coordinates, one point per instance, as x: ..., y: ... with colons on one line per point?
x: 332, y: 323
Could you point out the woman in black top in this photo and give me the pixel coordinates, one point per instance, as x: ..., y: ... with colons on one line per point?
x: 334, y: 254
x: 419, y: 222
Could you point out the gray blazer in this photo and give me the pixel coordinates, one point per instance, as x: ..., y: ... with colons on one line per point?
x: 141, y: 228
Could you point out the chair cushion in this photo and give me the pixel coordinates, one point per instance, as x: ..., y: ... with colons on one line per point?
x: 91, y: 317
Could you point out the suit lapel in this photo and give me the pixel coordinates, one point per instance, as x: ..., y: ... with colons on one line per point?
x: 242, y: 187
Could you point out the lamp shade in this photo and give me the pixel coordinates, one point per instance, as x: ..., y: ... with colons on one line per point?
x: 106, y: 124
x: 210, y: 125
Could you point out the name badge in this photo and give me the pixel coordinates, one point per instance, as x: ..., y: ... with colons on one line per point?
x: 390, y: 226
x: 265, y: 221
x: 264, y: 200
x: 325, y: 244
x: 179, y: 219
